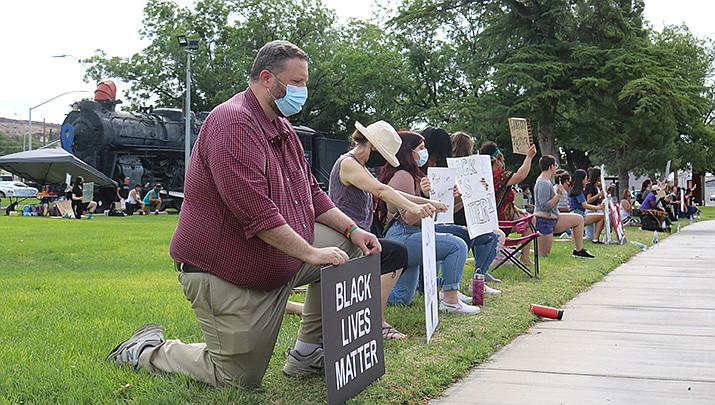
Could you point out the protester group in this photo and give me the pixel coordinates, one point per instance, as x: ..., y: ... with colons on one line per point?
x: 255, y: 224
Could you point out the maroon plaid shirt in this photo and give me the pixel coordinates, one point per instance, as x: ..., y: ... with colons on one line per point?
x: 246, y: 174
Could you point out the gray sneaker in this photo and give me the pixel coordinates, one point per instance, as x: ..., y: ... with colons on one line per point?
x: 149, y: 335
x: 489, y: 278
x: 299, y: 365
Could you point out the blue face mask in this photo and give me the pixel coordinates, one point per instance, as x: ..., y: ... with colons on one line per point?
x: 293, y: 101
x: 424, y: 155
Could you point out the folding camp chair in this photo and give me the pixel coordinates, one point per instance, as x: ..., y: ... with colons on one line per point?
x: 512, y: 246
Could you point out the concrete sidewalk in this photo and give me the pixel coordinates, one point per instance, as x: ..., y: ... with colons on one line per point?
x: 643, y: 335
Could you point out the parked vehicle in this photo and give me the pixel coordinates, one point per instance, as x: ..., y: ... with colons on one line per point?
x: 16, y: 189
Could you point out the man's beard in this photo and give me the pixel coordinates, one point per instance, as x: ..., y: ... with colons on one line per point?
x: 275, y: 108
x: 272, y: 102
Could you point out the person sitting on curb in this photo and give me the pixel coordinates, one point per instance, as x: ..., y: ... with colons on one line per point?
x: 152, y: 200
x: 78, y: 206
x: 548, y: 218
x: 134, y: 200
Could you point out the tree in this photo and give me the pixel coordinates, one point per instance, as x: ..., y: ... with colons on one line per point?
x: 639, y: 96
x: 354, y: 69
x: 8, y: 145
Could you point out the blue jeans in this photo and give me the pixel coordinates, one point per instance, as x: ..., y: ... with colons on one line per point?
x: 484, y: 247
x: 449, y: 249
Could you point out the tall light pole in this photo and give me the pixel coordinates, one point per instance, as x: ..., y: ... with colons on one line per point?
x: 86, y: 69
x: 190, y: 45
x: 29, y: 120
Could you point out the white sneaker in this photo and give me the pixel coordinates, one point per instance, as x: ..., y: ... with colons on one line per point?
x: 491, y: 291
x: 464, y: 298
x: 459, y: 307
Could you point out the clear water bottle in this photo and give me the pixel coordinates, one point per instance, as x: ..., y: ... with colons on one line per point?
x: 655, y: 238
x: 477, y: 289
x: 678, y: 227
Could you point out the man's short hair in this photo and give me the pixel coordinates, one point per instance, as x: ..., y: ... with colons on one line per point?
x: 546, y: 161
x: 273, y: 56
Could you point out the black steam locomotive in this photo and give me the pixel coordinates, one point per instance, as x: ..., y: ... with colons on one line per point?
x: 148, y: 146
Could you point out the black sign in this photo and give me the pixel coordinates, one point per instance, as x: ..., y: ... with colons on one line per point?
x: 352, y: 327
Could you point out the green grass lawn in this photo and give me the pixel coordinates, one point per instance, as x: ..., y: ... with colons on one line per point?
x: 72, y: 289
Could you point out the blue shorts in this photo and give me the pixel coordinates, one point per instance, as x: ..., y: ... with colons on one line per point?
x: 545, y: 226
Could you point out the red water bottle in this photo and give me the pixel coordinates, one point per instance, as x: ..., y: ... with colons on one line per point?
x: 546, y: 312
x: 477, y: 289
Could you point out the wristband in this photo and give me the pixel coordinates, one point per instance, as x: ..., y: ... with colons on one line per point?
x: 349, y: 230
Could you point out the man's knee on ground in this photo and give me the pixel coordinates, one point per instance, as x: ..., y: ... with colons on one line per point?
x: 250, y: 377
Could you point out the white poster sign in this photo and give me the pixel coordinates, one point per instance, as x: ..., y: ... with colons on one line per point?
x: 667, y: 171
x: 475, y: 181
x: 442, y: 181
x: 429, y: 272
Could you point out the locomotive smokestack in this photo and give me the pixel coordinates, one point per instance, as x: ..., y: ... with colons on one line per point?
x: 106, y: 95
x: 106, y: 90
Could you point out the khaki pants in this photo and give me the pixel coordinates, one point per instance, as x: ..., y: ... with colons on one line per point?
x: 241, y: 325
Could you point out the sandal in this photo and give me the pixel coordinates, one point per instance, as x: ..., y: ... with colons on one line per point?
x: 390, y: 333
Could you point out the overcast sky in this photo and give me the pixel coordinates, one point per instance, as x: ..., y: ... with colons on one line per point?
x: 33, y: 31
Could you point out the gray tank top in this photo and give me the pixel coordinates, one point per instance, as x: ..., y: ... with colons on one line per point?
x: 355, y: 203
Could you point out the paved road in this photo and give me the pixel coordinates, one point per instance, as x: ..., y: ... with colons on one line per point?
x: 643, y: 335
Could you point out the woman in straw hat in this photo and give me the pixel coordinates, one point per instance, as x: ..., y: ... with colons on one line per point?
x: 352, y: 188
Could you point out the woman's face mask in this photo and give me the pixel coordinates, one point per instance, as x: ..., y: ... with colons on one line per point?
x: 375, y: 159
x: 293, y: 101
x: 424, y: 156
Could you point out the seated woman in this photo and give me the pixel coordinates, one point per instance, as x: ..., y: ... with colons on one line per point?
x: 78, y: 207
x: 503, y: 192
x: 594, y: 196
x: 450, y: 249
x: 686, y: 209
x: 548, y: 218
x: 626, y: 208
x: 578, y: 203
x: 668, y: 202
x: 352, y: 189
x: 645, y: 190
x: 484, y: 247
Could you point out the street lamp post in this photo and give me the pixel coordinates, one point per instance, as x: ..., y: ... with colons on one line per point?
x: 94, y: 77
x: 190, y: 45
x: 29, y: 120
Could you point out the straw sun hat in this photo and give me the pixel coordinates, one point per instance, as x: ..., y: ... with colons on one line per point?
x: 384, y: 138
